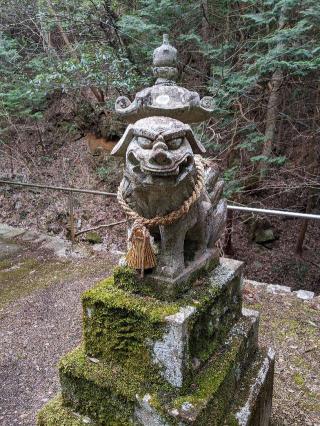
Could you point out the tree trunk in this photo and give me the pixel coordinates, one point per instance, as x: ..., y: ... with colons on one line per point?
x: 96, y: 92
x: 272, y: 108
x: 314, y: 166
x: 228, y: 247
x: 271, y: 120
x: 304, y: 226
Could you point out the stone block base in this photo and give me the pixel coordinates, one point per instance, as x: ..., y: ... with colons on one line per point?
x: 254, y: 400
x: 150, y: 362
x: 252, y: 406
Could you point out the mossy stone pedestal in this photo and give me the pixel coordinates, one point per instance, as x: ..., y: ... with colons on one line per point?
x: 146, y: 361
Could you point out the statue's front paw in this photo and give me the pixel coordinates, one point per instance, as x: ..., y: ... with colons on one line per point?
x: 168, y: 271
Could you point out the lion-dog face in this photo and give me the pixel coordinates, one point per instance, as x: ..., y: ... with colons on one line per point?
x: 158, y: 151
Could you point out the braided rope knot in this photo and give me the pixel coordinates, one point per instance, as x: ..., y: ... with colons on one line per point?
x: 173, y: 216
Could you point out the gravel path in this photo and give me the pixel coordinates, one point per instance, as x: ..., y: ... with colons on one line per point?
x: 34, y: 333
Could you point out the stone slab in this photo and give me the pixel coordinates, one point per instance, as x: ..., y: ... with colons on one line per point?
x: 304, y: 294
x: 58, y: 245
x: 101, y: 390
x: 208, y: 400
x: 278, y: 289
x: 7, y: 231
x: 178, y: 336
x: 254, y: 401
x: 168, y: 288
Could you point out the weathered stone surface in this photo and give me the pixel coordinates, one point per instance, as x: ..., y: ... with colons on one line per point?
x: 264, y: 236
x: 139, y: 350
x: 7, y: 231
x: 165, y: 98
x: 175, y: 335
x: 146, y: 414
x: 254, y: 401
x: 171, y: 352
x: 58, y: 245
x: 162, y: 176
x: 304, y: 294
x: 106, y: 391
x: 250, y: 405
x: 208, y: 400
x: 276, y: 288
x: 166, y: 288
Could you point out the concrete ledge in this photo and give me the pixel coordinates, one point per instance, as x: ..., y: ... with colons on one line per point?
x: 281, y: 289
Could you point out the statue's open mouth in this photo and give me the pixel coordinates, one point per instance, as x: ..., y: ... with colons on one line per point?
x: 177, y: 169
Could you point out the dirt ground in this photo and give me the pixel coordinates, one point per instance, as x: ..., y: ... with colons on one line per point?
x: 38, y: 327
x: 292, y: 327
x: 278, y: 263
x: 41, y: 324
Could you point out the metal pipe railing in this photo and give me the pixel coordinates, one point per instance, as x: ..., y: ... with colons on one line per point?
x: 58, y: 188
x: 275, y: 212
x: 112, y: 194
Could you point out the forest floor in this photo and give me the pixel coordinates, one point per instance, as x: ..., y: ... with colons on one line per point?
x: 41, y: 324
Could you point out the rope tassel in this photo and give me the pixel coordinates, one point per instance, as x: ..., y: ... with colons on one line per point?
x: 141, y: 254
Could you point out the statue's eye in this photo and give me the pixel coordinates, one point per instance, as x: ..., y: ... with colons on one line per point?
x: 174, y: 143
x: 145, y: 143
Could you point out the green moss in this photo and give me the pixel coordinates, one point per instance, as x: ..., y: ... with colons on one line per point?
x: 56, y: 414
x: 110, y: 296
x: 20, y: 279
x: 211, y: 379
x: 120, y: 325
x: 128, y: 279
x: 119, y: 328
x: 106, y: 390
x: 240, y: 399
x: 104, y: 374
x: 219, y: 307
x: 117, y: 324
x: 212, y: 388
x: 298, y: 379
x: 93, y: 238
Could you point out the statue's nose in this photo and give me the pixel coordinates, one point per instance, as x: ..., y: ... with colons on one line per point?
x: 160, y: 154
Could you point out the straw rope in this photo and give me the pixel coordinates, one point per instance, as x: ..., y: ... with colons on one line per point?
x: 173, y: 216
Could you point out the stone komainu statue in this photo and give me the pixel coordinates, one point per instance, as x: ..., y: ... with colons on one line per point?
x: 161, y: 173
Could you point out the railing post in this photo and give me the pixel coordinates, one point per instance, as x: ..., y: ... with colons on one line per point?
x: 71, y: 215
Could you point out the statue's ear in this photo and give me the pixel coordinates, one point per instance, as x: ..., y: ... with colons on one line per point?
x: 196, y: 146
x: 120, y: 148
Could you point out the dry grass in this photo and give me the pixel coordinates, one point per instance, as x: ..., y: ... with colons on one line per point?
x: 291, y: 326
